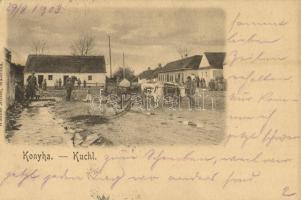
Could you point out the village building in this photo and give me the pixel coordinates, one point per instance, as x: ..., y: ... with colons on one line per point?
x: 91, y: 69
x: 207, y: 66
x: 13, y: 75
x: 149, y: 75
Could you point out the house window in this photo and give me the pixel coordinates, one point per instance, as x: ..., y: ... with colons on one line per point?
x: 206, y: 74
x: 50, y: 77
x: 90, y: 78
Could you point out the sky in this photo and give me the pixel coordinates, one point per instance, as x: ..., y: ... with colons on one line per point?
x: 146, y: 36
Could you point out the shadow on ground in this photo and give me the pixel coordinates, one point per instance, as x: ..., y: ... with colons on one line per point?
x: 90, y: 119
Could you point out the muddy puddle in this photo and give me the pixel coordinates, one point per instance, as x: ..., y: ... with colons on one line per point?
x: 37, y: 125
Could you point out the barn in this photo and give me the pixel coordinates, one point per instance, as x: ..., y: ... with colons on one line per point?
x: 91, y: 69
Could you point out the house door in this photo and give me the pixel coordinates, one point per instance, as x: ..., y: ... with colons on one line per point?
x: 40, y: 80
x: 65, y: 80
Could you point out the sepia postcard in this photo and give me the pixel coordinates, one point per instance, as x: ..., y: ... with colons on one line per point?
x: 143, y: 100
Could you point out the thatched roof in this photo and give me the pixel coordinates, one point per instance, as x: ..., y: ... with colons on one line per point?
x: 65, y: 64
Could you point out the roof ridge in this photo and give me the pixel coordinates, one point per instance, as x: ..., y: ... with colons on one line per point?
x: 65, y: 63
x: 185, y: 58
x: 53, y: 55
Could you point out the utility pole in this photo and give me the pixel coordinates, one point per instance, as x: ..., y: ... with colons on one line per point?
x: 123, y: 65
x: 110, y: 57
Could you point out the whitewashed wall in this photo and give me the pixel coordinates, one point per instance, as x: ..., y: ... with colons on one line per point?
x: 9, y: 83
x: 140, y: 81
x: 99, y: 78
x: 207, y: 74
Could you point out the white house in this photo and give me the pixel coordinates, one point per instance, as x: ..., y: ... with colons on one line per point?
x: 207, y: 66
x: 91, y: 69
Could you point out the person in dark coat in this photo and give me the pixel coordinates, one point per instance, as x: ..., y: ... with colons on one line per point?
x: 69, y: 88
x: 190, y: 90
x: 60, y: 83
x: 198, y: 82
x: 19, y: 92
x: 85, y: 83
x: 32, y: 86
x: 79, y: 83
x: 211, y: 85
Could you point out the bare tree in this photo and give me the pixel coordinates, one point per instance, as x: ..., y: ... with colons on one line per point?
x: 184, y: 52
x: 39, y: 46
x: 83, y: 46
x: 126, y: 72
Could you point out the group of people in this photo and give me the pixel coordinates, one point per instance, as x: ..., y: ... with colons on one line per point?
x: 199, y: 82
x: 217, y: 84
x: 58, y: 83
x: 192, y: 84
x: 77, y: 83
x: 213, y: 84
x: 32, y: 87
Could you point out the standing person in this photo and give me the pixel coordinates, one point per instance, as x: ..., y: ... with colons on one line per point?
x: 69, y: 87
x: 44, y: 84
x: 89, y: 95
x: 56, y: 84
x: 189, y: 90
x: 211, y: 84
x: 198, y: 82
x: 19, y: 92
x: 193, y: 86
x: 79, y: 83
x: 187, y: 86
x: 85, y: 83
x: 203, y: 83
x: 60, y: 83
x: 74, y: 80
x: 32, y: 85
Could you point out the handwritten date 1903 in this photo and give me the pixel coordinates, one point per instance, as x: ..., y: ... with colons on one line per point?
x: 14, y: 9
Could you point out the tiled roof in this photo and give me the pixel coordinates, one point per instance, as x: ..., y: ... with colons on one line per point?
x: 215, y: 60
x: 192, y: 62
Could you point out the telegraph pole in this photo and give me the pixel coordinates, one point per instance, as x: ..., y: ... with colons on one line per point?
x: 123, y: 65
x: 110, y: 57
